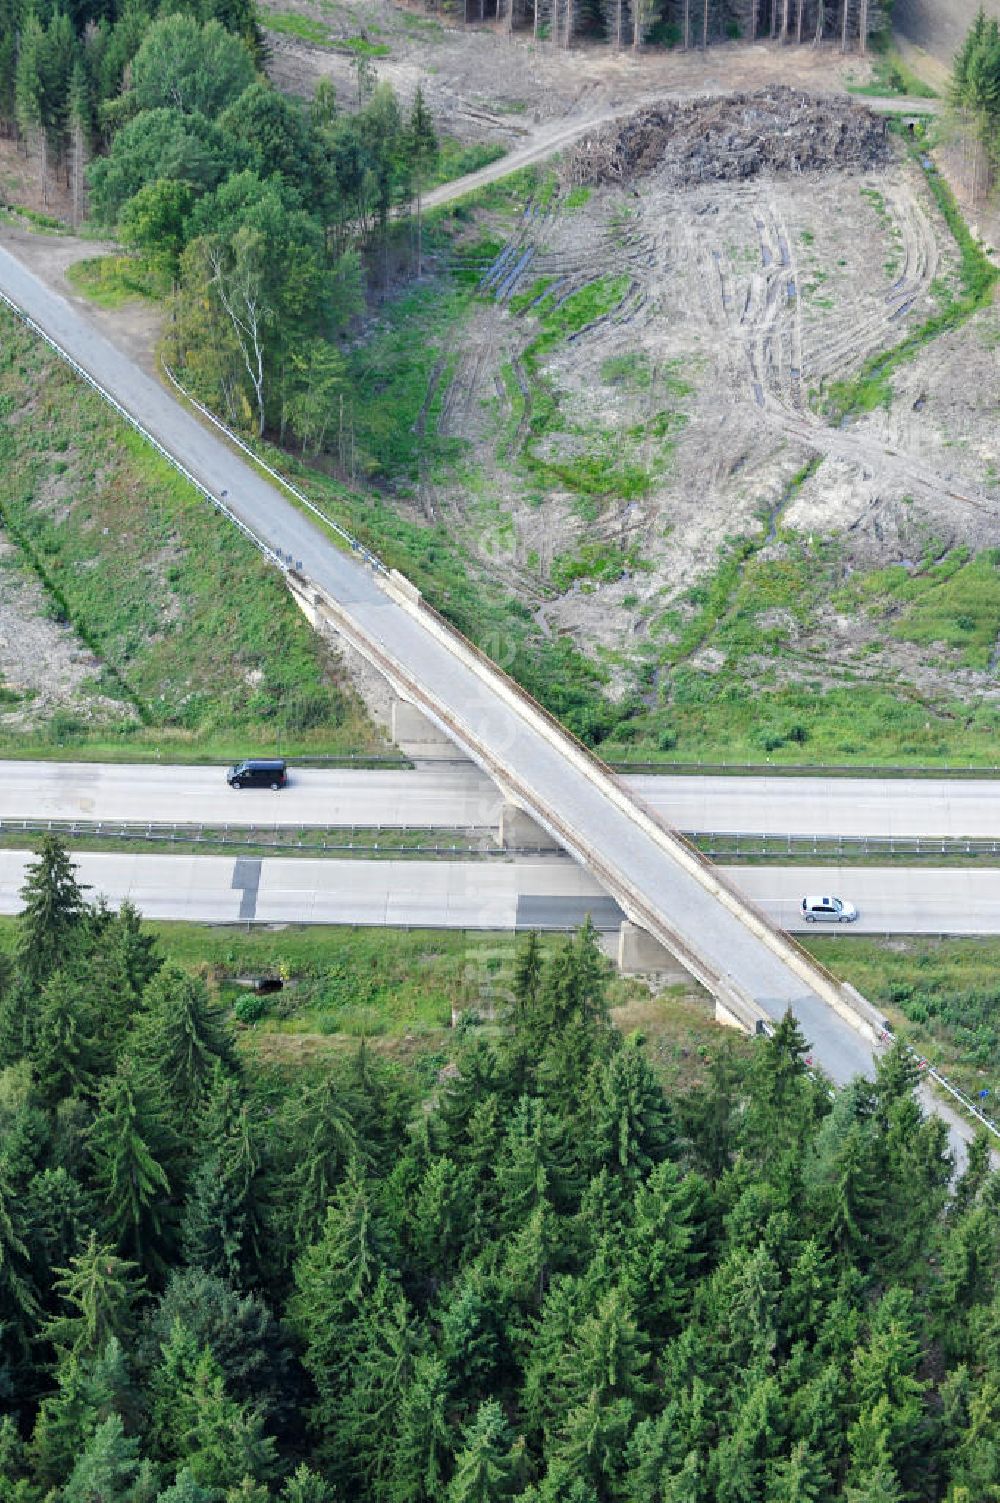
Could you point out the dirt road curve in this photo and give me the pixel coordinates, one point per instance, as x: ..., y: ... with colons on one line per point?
x: 548, y: 139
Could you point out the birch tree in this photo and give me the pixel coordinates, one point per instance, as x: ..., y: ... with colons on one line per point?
x: 237, y: 278
x: 643, y: 14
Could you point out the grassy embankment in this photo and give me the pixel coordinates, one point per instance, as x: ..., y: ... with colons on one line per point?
x: 942, y: 995
x: 396, y: 989
x: 194, y: 633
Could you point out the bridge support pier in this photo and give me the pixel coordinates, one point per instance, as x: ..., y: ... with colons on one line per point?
x: 518, y: 830
x: 639, y: 952
x: 419, y: 737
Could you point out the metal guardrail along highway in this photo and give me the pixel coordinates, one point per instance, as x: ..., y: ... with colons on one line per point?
x: 742, y: 844
x: 660, y: 882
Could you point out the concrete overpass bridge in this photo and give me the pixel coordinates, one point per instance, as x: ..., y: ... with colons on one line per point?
x: 666, y: 890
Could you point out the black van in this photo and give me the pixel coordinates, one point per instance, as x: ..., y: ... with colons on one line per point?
x: 258, y: 772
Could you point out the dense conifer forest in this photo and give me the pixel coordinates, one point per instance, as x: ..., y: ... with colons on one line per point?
x: 535, y: 1276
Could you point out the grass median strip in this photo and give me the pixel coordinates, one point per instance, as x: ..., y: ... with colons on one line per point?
x: 364, y: 843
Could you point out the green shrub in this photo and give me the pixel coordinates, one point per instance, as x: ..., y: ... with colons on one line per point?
x: 251, y: 1008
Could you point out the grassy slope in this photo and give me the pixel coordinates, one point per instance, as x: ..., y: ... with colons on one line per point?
x: 190, y: 623
x: 941, y: 994
x: 396, y: 989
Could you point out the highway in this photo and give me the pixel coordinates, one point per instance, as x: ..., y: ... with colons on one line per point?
x: 540, y: 893
x: 456, y: 795
x: 676, y: 897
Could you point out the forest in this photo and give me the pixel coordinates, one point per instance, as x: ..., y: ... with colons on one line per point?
x: 687, y: 23
x: 266, y: 217
x: 975, y: 97
x: 528, y: 1274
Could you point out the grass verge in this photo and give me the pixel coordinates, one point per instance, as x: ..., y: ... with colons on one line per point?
x: 400, y: 989
x: 290, y: 23
x: 110, y: 281
x: 942, y: 995
x: 192, y: 629
x: 890, y: 75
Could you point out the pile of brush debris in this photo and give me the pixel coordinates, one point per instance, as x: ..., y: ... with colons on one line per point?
x: 731, y: 138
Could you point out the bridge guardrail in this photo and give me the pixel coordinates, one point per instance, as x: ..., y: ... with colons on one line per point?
x: 355, y: 544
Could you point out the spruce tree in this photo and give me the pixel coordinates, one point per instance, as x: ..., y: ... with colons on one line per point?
x: 321, y: 1138
x: 87, y: 1392
x: 138, y: 952
x: 220, y: 1228
x: 487, y: 1467
x: 306, y: 1486
x: 184, y: 1489
x: 422, y: 1436
x: 631, y: 1120
x: 180, y: 1041
x: 18, y: 1292
x: 65, y: 1053
x: 334, y: 1280
x: 662, y: 1253
x: 128, y: 1145
x: 225, y: 1442
x: 110, y: 1469
x: 99, y: 1291
x: 388, y: 1345
x: 51, y: 920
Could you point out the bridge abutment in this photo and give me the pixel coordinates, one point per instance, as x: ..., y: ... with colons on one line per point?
x: 518, y: 831
x: 419, y: 737
x: 639, y: 952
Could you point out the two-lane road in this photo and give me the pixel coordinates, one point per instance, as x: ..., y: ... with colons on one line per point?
x: 537, y: 893
x: 456, y: 795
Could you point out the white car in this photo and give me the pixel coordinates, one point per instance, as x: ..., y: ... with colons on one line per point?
x: 828, y: 911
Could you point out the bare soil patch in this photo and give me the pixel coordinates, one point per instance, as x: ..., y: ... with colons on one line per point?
x: 740, y: 299
x: 44, y: 666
